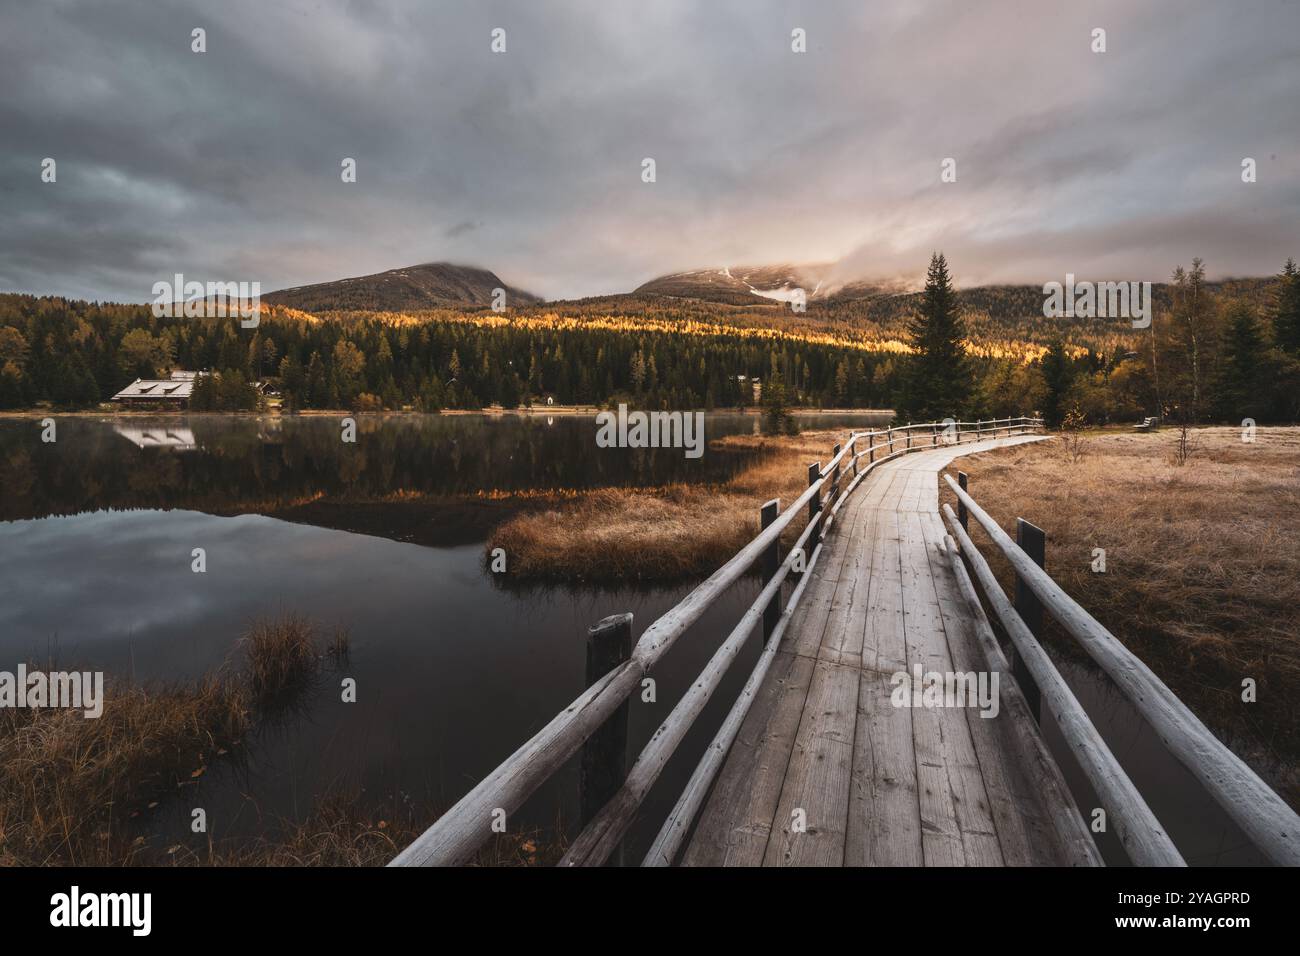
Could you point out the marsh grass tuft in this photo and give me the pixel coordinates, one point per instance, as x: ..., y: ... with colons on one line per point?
x: 282, y: 657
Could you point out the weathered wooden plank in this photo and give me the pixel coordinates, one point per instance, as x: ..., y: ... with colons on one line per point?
x: 943, y: 733
x: 809, y: 828
x: 736, y: 822
x: 884, y: 816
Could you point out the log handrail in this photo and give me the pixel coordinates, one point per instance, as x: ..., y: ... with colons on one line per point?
x: 458, y: 833
x: 1263, y: 816
x: 1140, y: 833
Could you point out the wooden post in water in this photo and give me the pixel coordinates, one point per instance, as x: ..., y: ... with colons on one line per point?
x: 961, y: 505
x: 814, y: 505
x: 603, y: 765
x: 771, y: 564
x: 1033, y: 541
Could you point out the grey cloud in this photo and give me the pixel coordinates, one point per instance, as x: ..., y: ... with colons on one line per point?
x: 226, y: 164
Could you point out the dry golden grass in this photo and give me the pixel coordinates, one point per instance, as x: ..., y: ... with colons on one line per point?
x: 1202, y: 560
x: 70, y: 783
x: 619, y: 535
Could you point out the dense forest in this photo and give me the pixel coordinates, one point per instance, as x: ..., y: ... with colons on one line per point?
x: 1214, y: 352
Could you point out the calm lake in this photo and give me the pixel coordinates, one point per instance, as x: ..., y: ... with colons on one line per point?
x: 453, y: 671
x: 385, y: 537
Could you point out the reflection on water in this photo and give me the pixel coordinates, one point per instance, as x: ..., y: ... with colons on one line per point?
x: 452, y: 673
x: 238, y: 464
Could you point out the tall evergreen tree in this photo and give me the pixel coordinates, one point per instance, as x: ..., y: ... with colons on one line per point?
x: 1286, y: 311
x: 939, y: 381
x: 1058, y: 372
x: 1243, y: 373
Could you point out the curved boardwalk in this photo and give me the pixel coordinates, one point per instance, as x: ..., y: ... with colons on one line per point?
x: 881, y: 785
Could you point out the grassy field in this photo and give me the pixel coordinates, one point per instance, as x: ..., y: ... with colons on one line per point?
x: 624, y: 535
x: 1202, y: 573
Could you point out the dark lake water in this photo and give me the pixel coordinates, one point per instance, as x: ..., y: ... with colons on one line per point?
x: 453, y: 672
x: 385, y: 537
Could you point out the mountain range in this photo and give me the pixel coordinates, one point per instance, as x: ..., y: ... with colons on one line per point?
x: 430, y: 285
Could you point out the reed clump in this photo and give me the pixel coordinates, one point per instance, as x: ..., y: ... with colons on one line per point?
x: 282, y: 657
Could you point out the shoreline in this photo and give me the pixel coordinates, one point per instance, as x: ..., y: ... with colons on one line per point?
x: 496, y: 412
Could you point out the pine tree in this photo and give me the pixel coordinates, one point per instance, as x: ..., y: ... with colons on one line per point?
x: 1286, y: 311
x: 939, y: 381
x: 1057, y: 373
x: 1243, y: 373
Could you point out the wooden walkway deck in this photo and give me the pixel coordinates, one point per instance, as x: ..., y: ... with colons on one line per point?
x: 882, y: 785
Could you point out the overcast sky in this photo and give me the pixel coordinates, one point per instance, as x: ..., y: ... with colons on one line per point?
x: 225, y: 165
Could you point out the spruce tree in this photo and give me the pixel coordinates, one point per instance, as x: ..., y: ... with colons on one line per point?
x: 939, y: 382
x: 1058, y: 373
x: 1243, y: 372
x: 1286, y: 311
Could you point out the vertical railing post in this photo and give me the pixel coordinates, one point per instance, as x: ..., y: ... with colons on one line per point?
x: 603, y: 764
x: 814, y: 505
x: 1033, y: 541
x: 909, y: 435
x: 961, y: 505
x: 771, y: 563
x: 934, y: 434
x: 835, y: 481
x: 871, y: 448
x: 890, y: 434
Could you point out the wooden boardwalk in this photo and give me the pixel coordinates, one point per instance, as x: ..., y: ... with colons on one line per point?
x: 814, y: 764
x: 881, y: 785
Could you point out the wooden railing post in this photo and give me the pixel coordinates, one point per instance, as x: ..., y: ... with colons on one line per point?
x: 934, y: 434
x: 771, y: 563
x: 814, y: 503
x: 909, y: 434
x: 871, y: 448
x: 1033, y: 541
x: 835, y: 481
x: 603, y: 765
x: 961, y: 505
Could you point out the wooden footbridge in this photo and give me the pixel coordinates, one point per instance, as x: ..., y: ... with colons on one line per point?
x: 847, y: 745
